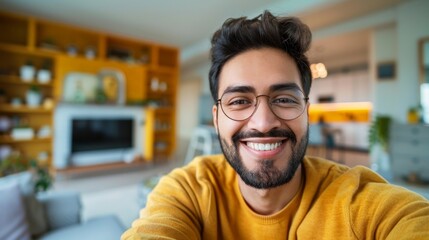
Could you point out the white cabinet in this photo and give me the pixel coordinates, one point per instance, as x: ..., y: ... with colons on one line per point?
x: 409, y: 150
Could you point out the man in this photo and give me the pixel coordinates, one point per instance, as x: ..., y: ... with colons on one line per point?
x: 263, y: 187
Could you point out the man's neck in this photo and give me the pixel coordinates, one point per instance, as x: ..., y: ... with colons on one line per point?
x: 270, y: 201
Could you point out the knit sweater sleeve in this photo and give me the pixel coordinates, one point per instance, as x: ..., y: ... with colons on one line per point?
x: 390, y: 212
x: 171, y: 212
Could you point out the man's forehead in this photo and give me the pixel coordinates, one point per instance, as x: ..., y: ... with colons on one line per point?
x: 266, y: 89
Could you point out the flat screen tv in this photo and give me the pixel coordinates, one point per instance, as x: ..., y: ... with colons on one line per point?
x: 101, y: 134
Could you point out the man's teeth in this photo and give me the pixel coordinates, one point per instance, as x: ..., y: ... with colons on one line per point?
x: 263, y: 146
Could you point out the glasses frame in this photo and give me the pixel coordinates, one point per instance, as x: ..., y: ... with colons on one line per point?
x: 219, y: 102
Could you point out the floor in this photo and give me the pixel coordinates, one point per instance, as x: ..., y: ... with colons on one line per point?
x: 117, y: 192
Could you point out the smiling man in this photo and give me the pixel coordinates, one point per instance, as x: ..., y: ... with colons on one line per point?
x: 263, y: 186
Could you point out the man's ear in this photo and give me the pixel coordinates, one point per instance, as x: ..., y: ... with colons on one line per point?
x: 307, y: 110
x: 215, y: 114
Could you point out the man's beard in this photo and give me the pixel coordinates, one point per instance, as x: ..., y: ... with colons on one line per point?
x: 267, y: 175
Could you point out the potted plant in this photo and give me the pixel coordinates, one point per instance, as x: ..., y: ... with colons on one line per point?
x: 379, y: 145
x: 42, y: 177
x: 27, y: 71
x: 33, y: 96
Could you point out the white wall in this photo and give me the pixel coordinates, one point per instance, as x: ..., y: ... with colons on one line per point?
x: 412, y: 25
x: 384, y: 49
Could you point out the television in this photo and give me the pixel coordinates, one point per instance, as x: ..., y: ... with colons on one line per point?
x: 96, y: 134
x: 101, y: 134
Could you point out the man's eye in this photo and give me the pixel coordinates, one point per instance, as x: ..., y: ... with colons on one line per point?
x: 284, y: 100
x: 240, y: 102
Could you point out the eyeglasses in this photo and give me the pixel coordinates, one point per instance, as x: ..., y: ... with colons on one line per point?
x: 285, y: 104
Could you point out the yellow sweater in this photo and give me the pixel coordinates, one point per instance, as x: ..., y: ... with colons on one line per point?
x: 203, y: 201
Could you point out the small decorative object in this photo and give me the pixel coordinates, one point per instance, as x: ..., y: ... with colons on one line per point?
x: 48, y: 103
x: 154, y: 84
x: 72, y: 50
x: 44, y: 74
x: 33, y: 96
x: 27, y: 72
x: 49, y: 44
x: 42, y: 157
x: 5, y: 124
x: 145, y: 56
x: 100, y: 96
x: 90, y: 53
x: 162, y: 86
x: 44, y: 132
x: 16, y: 102
x: 22, y: 133
x: 413, y: 116
x: 5, y: 151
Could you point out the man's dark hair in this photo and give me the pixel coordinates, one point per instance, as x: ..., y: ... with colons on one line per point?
x: 238, y: 35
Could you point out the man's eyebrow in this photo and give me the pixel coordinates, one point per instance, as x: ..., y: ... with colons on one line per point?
x: 239, y: 89
x: 284, y: 86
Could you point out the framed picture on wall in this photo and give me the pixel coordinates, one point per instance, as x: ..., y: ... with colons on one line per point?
x: 386, y: 70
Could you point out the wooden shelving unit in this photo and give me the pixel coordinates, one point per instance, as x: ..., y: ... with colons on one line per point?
x: 25, y: 38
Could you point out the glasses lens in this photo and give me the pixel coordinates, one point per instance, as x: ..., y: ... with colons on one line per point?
x: 287, y: 105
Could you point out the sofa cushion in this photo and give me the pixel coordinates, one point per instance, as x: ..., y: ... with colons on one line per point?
x: 62, y: 209
x: 12, y: 216
x: 106, y: 228
x: 33, y: 208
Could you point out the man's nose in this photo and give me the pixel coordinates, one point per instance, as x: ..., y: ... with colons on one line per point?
x: 263, y: 119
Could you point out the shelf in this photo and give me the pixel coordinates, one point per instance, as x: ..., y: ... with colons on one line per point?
x: 14, y: 29
x: 9, y: 140
x: 27, y: 51
x: 28, y: 38
x: 15, y: 80
x: 23, y: 109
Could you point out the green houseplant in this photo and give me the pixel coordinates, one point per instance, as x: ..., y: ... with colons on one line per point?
x: 15, y: 163
x: 379, y: 145
x: 379, y: 132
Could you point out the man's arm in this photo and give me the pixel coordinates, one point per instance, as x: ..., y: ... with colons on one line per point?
x: 392, y: 213
x: 172, y: 212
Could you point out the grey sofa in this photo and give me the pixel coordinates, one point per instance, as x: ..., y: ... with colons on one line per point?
x: 48, y: 216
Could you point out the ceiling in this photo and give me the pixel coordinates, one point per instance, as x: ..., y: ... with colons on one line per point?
x: 188, y: 24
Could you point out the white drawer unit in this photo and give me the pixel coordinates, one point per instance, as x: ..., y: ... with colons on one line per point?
x: 409, y: 150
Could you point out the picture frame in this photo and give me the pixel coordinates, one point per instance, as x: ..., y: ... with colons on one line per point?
x: 386, y: 70
x: 113, y: 84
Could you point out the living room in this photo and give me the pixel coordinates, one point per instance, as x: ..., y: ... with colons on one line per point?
x: 153, y: 78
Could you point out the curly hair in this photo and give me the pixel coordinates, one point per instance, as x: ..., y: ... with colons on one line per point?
x: 238, y: 35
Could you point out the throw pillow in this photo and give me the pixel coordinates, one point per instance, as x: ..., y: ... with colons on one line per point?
x: 33, y: 208
x: 12, y: 216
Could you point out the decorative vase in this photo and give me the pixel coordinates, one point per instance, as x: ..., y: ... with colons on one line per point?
x: 43, y: 76
x: 380, y: 162
x: 27, y: 73
x: 34, y: 98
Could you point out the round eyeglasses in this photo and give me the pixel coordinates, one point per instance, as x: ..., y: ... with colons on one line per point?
x: 286, y: 104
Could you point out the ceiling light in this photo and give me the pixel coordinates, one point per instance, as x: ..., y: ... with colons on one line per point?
x: 318, y: 70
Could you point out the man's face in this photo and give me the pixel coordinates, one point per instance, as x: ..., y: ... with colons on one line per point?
x: 264, y: 149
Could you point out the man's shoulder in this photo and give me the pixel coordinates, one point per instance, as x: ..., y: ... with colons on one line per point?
x: 330, y: 177
x: 354, y: 183
x: 207, y: 168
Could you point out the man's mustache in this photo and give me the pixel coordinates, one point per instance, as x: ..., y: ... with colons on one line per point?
x: 282, y: 133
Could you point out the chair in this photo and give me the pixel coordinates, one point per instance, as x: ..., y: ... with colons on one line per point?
x: 316, y: 141
x: 204, y: 141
